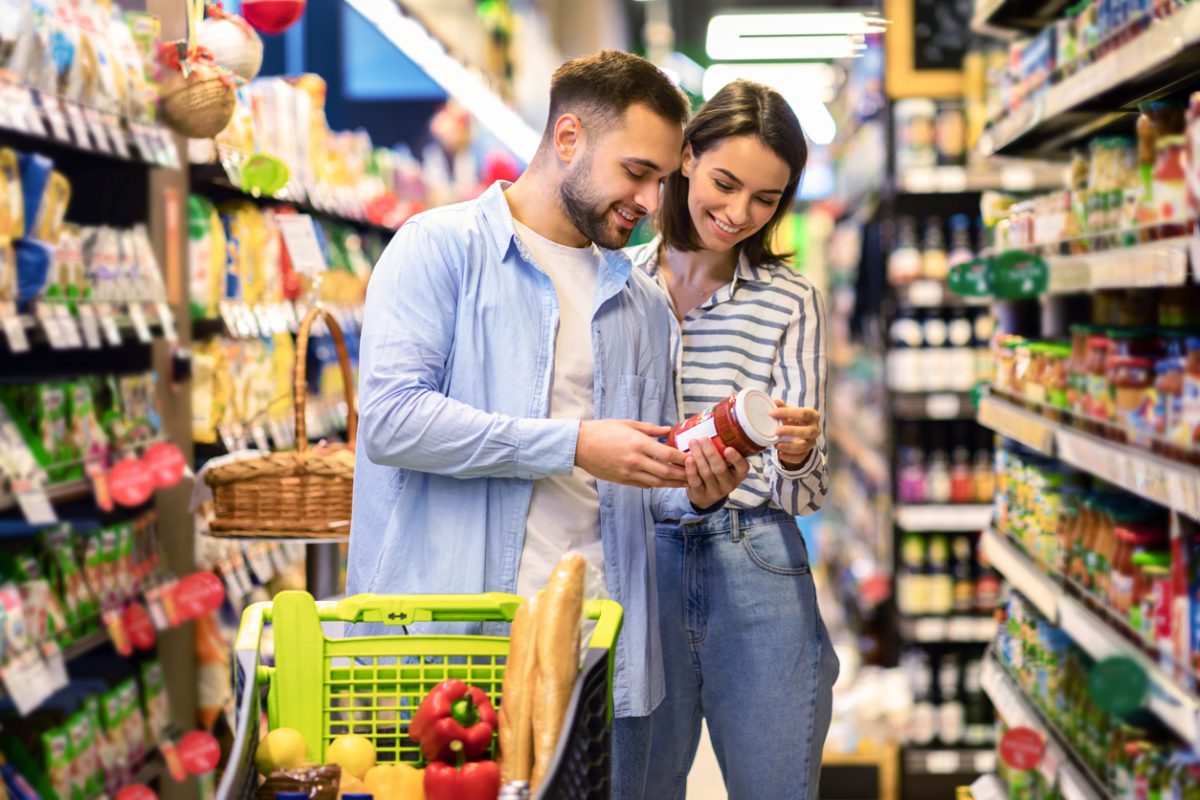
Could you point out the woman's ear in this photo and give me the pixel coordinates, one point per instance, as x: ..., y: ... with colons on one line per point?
x: 688, y: 162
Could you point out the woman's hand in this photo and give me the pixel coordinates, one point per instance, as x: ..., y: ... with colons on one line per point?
x: 798, y: 431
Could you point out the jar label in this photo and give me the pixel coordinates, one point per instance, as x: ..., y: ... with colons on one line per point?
x: 703, y: 430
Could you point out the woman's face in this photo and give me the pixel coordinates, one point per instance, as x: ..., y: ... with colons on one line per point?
x: 734, y: 188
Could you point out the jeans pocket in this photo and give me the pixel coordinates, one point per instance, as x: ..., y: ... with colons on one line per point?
x: 777, y: 549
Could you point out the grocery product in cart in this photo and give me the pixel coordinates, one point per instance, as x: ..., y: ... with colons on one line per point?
x: 351, y: 703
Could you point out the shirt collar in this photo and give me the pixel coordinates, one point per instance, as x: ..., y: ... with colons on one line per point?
x: 744, y: 271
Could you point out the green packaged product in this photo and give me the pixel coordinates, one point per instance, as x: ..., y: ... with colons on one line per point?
x: 106, y: 756
x: 85, y: 764
x: 112, y: 720
x: 50, y: 414
x: 134, y: 721
x: 56, y: 749
x: 155, y: 701
x: 88, y: 438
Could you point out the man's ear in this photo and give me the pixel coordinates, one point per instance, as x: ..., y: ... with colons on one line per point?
x: 568, y: 137
x: 689, y: 159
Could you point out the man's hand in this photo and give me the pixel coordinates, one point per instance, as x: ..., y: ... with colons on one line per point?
x: 625, y: 451
x: 711, y: 476
x: 798, y: 431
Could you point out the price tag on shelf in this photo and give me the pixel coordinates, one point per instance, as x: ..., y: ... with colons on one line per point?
x: 14, y: 331
x: 54, y: 115
x: 8, y: 119
x: 137, y: 315
x: 942, y: 406
x: 29, y: 109
x: 116, y: 134
x: 279, y: 557
x: 167, y: 319
x: 108, y: 324
x: 49, y: 321
x: 942, y: 762
x: 138, y: 131
x: 34, y: 502
x: 300, y: 239
x: 960, y: 629
x: 929, y: 629
x: 27, y: 681
x: 90, y: 326
x: 79, y: 128
x: 69, y: 327
x: 95, y: 127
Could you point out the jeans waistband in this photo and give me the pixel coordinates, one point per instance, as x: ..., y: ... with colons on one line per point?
x: 729, y: 520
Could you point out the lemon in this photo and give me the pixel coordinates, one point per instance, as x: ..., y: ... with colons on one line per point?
x: 353, y: 753
x: 282, y: 748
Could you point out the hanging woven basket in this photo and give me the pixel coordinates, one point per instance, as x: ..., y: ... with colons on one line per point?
x: 304, y: 494
x: 197, y: 98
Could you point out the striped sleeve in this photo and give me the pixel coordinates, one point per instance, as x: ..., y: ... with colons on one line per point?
x: 798, y: 378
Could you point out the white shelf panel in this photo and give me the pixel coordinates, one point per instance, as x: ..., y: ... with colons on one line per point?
x: 1150, y: 265
x: 1022, y: 573
x: 950, y: 518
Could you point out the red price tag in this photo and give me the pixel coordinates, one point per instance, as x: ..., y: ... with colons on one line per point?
x: 199, y: 752
x: 137, y: 791
x: 198, y: 594
x: 165, y: 463
x: 130, y: 483
x: 1022, y: 748
x: 139, y: 626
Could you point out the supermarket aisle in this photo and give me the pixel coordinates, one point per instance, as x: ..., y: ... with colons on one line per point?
x: 705, y: 781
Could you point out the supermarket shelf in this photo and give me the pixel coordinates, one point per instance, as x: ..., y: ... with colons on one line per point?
x: 932, y: 405
x: 951, y: 518
x: 33, y: 120
x: 933, y: 294
x: 153, y: 768
x: 1060, y: 762
x: 85, y: 644
x: 1022, y: 573
x: 956, y: 761
x: 1168, y: 483
x: 210, y: 179
x: 959, y: 629
x: 1151, y: 265
x: 1164, y: 58
x: 1019, y: 176
x: 866, y: 457
x: 58, y: 493
x: 991, y: 16
x: 1167, y: 700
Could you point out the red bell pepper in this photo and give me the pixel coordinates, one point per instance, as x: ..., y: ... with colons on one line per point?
x: 475, y: 780
x: 454, y: 712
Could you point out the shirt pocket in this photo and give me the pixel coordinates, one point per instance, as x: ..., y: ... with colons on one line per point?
x: 638, y: 398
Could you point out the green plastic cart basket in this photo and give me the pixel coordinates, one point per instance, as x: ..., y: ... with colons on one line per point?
x: 371, y: 685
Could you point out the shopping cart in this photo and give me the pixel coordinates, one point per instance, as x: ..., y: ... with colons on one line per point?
x: 325, y: 687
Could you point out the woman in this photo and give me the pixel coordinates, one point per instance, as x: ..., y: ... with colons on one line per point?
x: 743, y: 642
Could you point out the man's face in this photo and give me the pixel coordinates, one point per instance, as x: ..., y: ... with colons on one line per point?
x: 615, y: 179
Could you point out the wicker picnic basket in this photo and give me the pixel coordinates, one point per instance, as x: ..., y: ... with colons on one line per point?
x: 303, y: 494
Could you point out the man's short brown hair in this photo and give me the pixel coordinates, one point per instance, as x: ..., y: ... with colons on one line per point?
x: 599, y: 89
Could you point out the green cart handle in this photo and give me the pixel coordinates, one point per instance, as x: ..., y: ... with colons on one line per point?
x: 407, y: 609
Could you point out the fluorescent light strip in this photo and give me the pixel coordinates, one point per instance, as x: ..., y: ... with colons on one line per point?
x: 465, y: 86
x: 800, y: 84
x: 792, y: 37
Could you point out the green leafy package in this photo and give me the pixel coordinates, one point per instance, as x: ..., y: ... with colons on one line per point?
x: 155, y: 701
x: 85, y: 764
x: 56, y: 749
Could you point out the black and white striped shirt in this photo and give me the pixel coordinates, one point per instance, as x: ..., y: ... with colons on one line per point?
x: 764, y: 330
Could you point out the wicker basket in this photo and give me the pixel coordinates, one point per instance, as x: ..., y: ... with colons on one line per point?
x: 200, y: 105
x: 304, y: 494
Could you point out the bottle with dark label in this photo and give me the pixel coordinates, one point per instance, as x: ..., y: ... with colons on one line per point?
x: 962, y: 481
x: 934, y: 262
x: 964, y: 580
x: 904, y: 262
x: 987, y: 584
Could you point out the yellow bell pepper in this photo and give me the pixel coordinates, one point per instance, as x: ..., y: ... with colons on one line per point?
x: 395, y: 782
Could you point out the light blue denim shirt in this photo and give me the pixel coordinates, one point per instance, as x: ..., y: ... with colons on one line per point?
x: 454, y: 388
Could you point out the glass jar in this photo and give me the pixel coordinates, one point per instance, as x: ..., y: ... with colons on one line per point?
x: 1098, y: 401
x: 1188, y: 431
x: 1168, y: 393
x: 1132, y: 382
x: 1170, y: 185
x: 1054, y: 376
x: 1077, y: 370
x: 1150, y: 610
x: 1131, y: 539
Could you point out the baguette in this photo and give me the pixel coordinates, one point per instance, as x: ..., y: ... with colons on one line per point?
x: 516, y: 701
x: 557, y: 637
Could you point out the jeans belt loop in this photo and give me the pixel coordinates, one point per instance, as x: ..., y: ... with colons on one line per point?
x: 735, y: 526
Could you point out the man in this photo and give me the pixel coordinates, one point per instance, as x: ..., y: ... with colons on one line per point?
x: 508, y: 354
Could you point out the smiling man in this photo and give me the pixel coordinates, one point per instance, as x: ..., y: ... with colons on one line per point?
x: 514, y: 372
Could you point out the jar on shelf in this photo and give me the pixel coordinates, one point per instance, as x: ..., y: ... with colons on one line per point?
x: 1170, y: 185
x: 1132, y: 382
x: 1098, y: 400
x: 1168, y: 392
x: 1131, y: 539
x: 1150, y: 606
x: 1188, y: 431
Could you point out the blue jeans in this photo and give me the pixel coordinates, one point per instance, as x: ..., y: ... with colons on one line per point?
x: 744, y: 648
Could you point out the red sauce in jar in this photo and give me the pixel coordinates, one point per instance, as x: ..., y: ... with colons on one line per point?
x: 742, y: 421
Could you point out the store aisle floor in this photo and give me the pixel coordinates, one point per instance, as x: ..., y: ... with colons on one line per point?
x: 705, y: 781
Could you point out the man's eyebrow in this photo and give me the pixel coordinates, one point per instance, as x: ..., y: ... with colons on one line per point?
x: 644, y: 162
x: 738, y: 181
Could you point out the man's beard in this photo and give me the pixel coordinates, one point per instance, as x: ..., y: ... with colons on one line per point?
x: 589, y: 216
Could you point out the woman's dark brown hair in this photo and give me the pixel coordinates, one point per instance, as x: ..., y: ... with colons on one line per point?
x: 742, y: 108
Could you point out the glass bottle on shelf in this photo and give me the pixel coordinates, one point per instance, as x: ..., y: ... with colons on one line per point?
x: 941, y: 585
x: 979, y: 728
x: 964, y: 581
x: 912, y: 594
x: 962, y: 481
x: 962, y: 362
x: 983, y: 475
x: 951, y: 713
x: 936, y: 358
x: 904, y: 262
x: 935, y: 264
x: 987, y: 584
x: 939, y: 476
x: 961, y: 249
x: 911, y: 478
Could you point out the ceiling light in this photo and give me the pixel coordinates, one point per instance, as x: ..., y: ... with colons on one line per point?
x: 464, y: 85
x: 796, y: 36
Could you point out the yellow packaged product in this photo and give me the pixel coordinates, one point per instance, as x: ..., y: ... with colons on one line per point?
x: 12, y: 200
x: 53, y: 210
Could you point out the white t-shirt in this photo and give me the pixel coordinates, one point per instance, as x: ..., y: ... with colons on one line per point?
x: 564, y: 511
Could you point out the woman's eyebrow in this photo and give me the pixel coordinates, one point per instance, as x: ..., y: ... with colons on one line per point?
x: 738, y: 181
